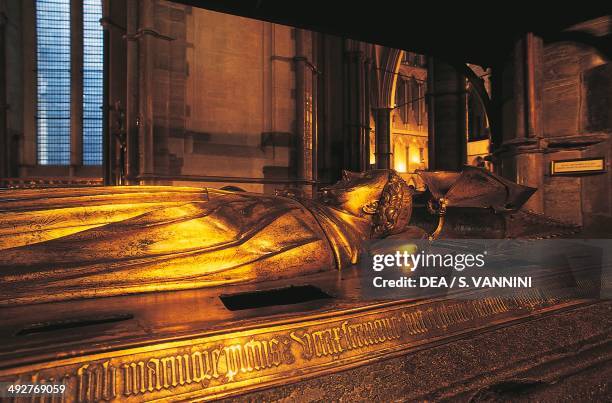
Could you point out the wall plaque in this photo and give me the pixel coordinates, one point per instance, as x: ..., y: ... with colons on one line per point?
x: 578, y: 166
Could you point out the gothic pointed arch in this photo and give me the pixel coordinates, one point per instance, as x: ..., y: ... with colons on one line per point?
x: 384, y: 76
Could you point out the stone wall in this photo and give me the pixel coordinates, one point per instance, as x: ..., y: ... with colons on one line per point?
x: 12, y: 25
x: 577, y: 119
x: 223, y: 96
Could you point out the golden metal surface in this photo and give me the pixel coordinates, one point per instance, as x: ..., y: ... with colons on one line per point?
x: 65, y: 244
x: 60, y: 244
x: 473, y: 187
x: 214, y: 364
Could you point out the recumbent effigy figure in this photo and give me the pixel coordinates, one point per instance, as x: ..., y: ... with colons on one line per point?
x: 60, y: 244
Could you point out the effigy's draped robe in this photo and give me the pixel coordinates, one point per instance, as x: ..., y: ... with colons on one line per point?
x: 72, y: 243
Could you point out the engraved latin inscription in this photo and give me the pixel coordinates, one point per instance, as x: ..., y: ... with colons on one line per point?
x: 204, y: 367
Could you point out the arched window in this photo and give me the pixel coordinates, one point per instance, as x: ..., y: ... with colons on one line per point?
x: 93, y: 82
x: 402, y: 98
x: 59, y: 65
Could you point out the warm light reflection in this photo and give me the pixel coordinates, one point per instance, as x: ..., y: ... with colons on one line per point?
x: 82, y: 243
x: 400, y: 166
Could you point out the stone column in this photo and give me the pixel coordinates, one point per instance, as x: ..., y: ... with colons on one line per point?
x: 356, y: 111
x: 76, y: 85
x: 304, y: 86
x: 4, y: 138
x: 116, y: 39
x: 28, y: 159
x: 131, y: 108
x: 448, y: 100
x: 301, y: 131
x: 146, y: 148
x: 496, y: 109
x: 431, y: 114
x: 521, y: 153
x: 382, y: 123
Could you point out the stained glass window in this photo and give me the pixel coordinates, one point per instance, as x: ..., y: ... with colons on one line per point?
x: 54, y: 78
x: 93, y: 77
x: 53, y: 81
